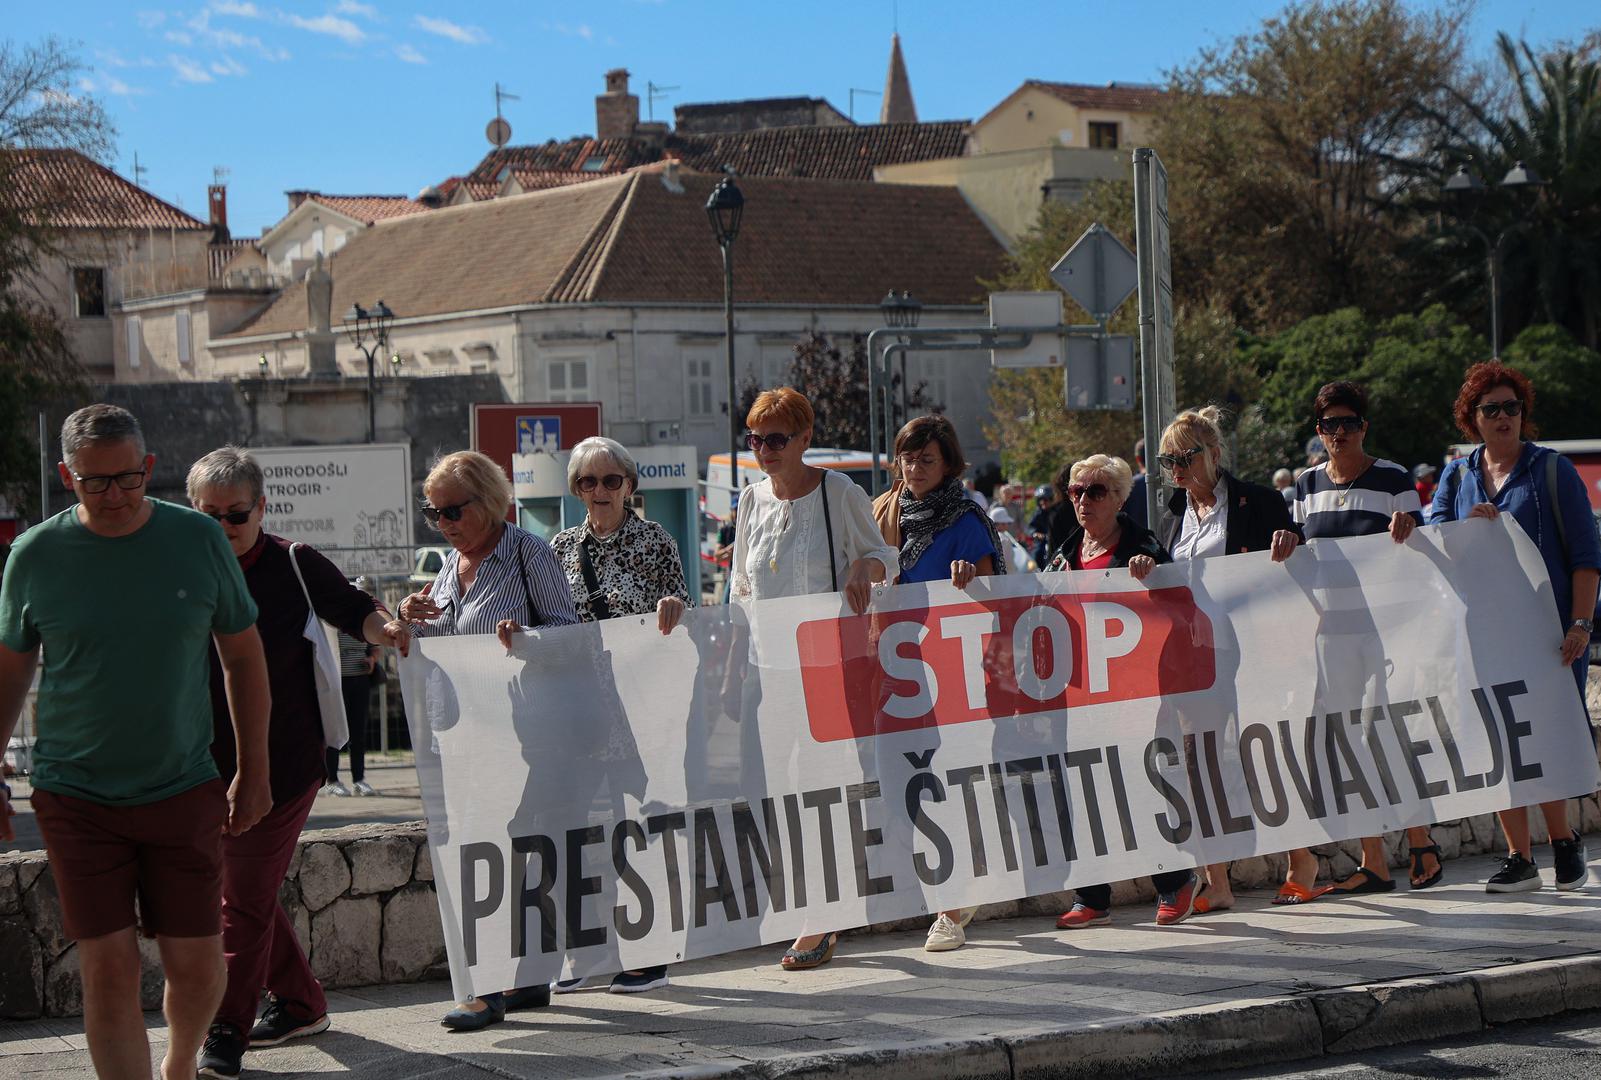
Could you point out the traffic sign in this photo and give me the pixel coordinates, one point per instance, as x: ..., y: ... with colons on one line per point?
x: 1028, y: 309
x: 1099, y: 373
x: 1098, y: 272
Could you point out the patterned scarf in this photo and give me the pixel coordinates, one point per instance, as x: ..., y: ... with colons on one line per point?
x: 925, y: 518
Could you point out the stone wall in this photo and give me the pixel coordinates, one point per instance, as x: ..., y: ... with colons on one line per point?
x: 361, y: 898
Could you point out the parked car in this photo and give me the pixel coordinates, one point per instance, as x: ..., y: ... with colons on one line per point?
x: 426, y: 566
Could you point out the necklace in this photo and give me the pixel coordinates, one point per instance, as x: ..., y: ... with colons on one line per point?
x: 1340, y: 500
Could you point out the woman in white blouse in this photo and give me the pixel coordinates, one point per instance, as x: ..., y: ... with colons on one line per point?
x: 791, y: 542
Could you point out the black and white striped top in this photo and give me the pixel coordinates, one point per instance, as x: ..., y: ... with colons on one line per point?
x: 499, y: 592
x: 1363, y: 507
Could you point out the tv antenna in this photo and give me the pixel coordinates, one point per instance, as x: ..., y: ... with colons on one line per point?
x: 499, y: 131
x: 138, y: 171
x: 652, y: 92
x: 219, y: 173
x: 851, y: 110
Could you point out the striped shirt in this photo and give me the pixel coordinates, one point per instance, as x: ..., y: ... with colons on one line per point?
x: 521, y: 568
x: 1361, y: 508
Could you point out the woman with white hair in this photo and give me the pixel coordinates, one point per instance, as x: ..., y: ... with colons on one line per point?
x: 1098, y: 534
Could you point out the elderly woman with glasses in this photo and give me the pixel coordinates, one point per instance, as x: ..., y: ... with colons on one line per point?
x: 498, y: 579
x: 1212, y: 512
x: 617, y: 564
x: 1099, y: 535
x: 802, y: 530
x: 1509, y: 473
x: 285, y: 580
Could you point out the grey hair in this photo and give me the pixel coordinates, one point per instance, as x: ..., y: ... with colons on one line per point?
x: 1114, y: 472
x: 225, y: 467
x: 596, y: 446
x: 99, y: 423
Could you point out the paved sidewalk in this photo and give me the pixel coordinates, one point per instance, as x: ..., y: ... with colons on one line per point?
x: 1021, y: 999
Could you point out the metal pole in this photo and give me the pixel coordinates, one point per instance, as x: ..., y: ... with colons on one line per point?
x: 734, y: 419
x: 1150, y: 403
x: 372, y: 399
x: 1495, y: 299
x: 872, y: 411
x: 44, y: 468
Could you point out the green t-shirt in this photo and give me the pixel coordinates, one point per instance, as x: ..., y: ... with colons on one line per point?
x: 126, y: 624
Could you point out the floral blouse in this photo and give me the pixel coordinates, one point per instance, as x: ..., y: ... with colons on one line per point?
x: 635, y: 566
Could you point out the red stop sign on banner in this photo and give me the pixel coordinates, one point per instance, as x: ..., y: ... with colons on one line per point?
x: 958, y: 663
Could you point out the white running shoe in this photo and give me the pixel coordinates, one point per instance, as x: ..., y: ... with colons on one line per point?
x: 946, y: 934
x: 335, y: 788
x: 364, y: 788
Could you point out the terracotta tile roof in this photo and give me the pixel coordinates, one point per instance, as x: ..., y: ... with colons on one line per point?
x: 369, y: 208
x: 539, y: 179
x: 1133, y: 97
x: 65, y: 189
x: 827, y: 152
x: 631, y: 239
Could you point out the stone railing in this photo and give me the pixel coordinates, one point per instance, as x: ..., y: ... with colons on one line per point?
x: 361, y: 899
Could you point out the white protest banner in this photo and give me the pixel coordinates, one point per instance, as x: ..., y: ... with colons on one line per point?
x: 606, y: 798
x: 352, y: 503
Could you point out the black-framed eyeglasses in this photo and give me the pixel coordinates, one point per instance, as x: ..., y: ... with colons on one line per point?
x: 1333, y: 425
x: 612, y: 482
x: 1093, y: 492
x: 1180, y: 460
x: 1492, y: 409
x: 232, y: 517
x: 127, y: 481
x: 450, y: 513
x: 775, y: 442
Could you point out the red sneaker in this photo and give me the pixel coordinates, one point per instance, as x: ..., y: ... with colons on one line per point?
x: 1081, y: 916
x: 1174, y: 907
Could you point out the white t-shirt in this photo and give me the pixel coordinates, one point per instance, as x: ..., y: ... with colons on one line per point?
x: 781, y: 546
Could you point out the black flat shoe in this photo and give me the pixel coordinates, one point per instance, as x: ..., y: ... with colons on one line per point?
x: 461, y: 1018
x: 1371, y: 883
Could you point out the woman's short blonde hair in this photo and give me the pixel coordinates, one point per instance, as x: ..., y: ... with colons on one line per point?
x: 484, y: 480
x: 785, y: 404
x: 1114, y: 472
x: 597, y: 446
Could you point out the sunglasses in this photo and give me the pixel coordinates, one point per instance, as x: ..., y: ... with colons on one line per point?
x: 775, y: 442
x: 1489, y: 410
x: 450, y: 513
x: 127, y: 481
x: 232, y: 517
x: 1094, y: 492
x: 1180, y: 460
x: 613, y: 481
x: 1333, y: 425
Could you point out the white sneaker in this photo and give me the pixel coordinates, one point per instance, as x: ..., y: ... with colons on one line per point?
x: 364, y: 788
x: 946, y: 934
x: 335, y: 788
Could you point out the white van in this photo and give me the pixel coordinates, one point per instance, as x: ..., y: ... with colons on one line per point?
x: 855, y: 464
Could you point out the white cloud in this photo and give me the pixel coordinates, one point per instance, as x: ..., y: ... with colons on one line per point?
x: 228, y: 66
x: 582, y: 30
x: 236, y: 8
x: 179, y: 37
x: 464, y: 35
x: 332, y: 25
x: 188, y: 71
x: 149, y: 20
x: 121, y: 89
x: 353, y: 7
x: 409, y: 55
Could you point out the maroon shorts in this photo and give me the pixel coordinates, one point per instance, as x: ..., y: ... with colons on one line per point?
x: 167, y: 853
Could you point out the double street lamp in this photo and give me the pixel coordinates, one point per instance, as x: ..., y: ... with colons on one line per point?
x: 1464, y: 185
x: 369, y: 332
x: 725, y: 207
x: 901, y: 313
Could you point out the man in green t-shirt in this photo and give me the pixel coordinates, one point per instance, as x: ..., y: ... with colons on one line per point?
x: 123, y: 594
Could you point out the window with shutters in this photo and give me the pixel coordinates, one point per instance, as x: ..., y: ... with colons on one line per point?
x: 567, y: 380
x: 699, y: 386
x: 89, y: 292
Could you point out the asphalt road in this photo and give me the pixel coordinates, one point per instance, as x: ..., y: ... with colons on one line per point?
x: 1568, y: 1046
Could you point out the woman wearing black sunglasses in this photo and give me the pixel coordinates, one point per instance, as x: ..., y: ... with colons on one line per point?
x: 1354, y: 493
x: 1508, y: 473
x: 1212, y: 513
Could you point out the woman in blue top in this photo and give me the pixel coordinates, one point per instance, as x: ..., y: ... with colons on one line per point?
x: 941, y: 534
x: 1545, y: 494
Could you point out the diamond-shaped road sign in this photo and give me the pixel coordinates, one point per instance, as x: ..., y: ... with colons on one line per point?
x: 1098, y: 272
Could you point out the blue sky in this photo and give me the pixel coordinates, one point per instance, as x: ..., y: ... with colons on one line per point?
x: 386, y: 96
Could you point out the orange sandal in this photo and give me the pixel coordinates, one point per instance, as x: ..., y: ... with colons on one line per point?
x: 1293, y: 892
x: 1203, y: 905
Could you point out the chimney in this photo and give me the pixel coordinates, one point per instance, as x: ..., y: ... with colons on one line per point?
x: 616, y: 111
x: 217, y: 199
x: 297, y: 197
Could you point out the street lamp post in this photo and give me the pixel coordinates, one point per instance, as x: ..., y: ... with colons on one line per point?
x: 1464, y: 184
x: 725, y: 207
x: 901, y: 313
x: 369, y: 332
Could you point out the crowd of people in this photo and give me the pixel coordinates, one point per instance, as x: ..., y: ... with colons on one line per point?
x: 187, y: 719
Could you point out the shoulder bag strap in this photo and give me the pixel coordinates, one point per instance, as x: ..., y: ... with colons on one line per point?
x: 1556, y: 506
x: 294, y: 562
x: 597, y: 597
x: 828, y: 527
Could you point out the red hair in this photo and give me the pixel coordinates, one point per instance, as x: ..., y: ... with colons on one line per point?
x: 1480, y: 380
x: 785, y: 404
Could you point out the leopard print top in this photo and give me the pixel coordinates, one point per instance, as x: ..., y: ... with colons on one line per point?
x: 636, y: 566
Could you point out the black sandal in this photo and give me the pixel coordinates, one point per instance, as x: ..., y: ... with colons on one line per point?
x: 1417, y: 866
x: 1371, y: 883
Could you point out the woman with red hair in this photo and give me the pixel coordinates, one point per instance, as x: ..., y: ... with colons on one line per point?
x: 1509, y: 473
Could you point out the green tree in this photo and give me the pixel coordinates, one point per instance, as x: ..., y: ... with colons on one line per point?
x: 1287, y: 151
x: 40, y: 106
x: 1566, y: 376
x: 834, y: 380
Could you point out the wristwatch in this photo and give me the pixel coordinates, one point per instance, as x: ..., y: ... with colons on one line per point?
x: 1587, y: 625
